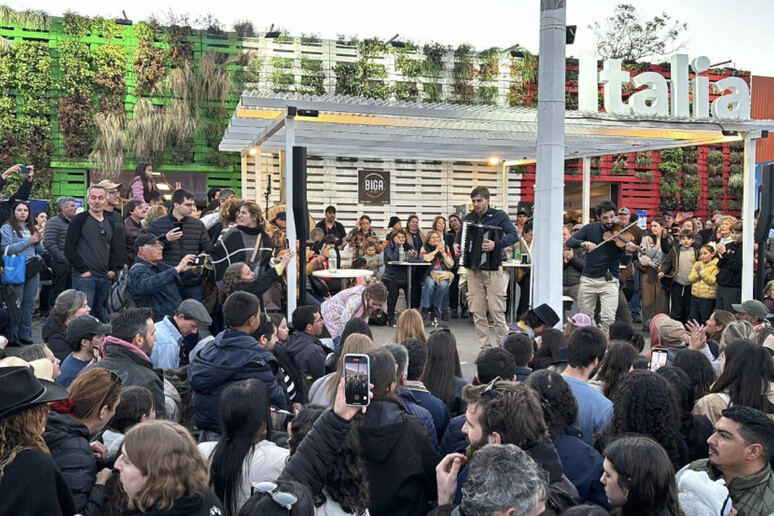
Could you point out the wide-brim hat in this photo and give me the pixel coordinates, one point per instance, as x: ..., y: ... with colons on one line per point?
x: 547, y: 315
x: 42, y: 367
x: 20, y: 390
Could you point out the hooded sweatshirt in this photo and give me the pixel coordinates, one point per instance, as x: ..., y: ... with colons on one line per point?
x: 232, y: 356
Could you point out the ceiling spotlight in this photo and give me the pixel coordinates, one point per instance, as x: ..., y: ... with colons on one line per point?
x: 494, y: 160
x: 253, y: 151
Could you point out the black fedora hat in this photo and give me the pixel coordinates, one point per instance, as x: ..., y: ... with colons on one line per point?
x: 20, y: 390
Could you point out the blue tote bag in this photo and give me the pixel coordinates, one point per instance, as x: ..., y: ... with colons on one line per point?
x: 14, y: 270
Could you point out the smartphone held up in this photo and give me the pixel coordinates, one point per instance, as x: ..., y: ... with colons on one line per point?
x: 658, y: 359
x: 357, y: 377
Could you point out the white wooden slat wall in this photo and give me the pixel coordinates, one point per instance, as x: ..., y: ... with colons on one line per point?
x: 422, y: 188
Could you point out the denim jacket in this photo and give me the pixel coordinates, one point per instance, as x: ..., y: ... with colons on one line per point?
x: 15, y: 244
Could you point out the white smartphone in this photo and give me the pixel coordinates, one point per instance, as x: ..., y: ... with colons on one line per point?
x: 658, y: 359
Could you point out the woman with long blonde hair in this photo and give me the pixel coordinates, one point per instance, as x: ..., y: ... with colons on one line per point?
x: 152, y: 214
x: 247, y: 241
x: 410, y: 326
x: 162, y: 471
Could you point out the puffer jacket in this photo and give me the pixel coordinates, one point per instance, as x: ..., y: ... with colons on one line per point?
x: 704, y: 286
x: 753, y: 495
x: 68, y: 442
x: 56, y: 235
x: 232, y: 356
x: 195, y: 240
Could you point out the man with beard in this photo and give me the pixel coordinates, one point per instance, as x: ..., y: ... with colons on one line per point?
x: 601, y: 275
x: 506, y: 412
x: 739, y: 453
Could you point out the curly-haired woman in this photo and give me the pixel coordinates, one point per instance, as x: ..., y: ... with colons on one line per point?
x: 644, y: 404
x: 696, y: 428
x: 581, y: 463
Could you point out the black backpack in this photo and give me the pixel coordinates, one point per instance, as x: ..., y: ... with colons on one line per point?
x: 119, y: 297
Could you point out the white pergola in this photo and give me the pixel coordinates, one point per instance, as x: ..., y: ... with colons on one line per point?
x: 356, y: 127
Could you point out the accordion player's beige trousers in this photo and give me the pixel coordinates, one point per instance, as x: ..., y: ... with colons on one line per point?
x: 491, y: 287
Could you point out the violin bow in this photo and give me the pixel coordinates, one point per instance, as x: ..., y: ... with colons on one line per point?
x: 615, y: 235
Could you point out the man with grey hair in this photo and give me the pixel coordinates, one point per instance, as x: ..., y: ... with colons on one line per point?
x: 405, y: 395
x: 54, y: 241
x: 95, y: 251
x: 503, y: 480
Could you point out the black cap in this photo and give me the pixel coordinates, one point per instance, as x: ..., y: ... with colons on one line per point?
x: 281, y: 216
x: 393, y: 220
x: 522, y: 211
x: 20, y: 390
x: 330, y: 209
x: 145, y: 239
x: 85, y: 325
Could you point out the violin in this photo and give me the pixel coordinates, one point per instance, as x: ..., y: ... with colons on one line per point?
x: 618, y: 234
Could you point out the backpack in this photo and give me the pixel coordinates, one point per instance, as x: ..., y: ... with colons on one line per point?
x: 119, y: 297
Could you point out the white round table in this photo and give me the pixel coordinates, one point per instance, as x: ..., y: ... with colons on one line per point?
x: 344, y: 273
x: 410, y: 267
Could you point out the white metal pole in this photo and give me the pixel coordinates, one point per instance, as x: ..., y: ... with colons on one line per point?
x: 748, y: 218
x: 586, y: 195
x: 504, y: 179
x: 549, y: 182
x: 258, y: 166
x: 290, y: 141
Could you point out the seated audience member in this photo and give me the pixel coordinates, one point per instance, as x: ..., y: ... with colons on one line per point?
x: 94, y: 396
x: 68, y: 305
x: 698, y: 369
x: 747, y: 379
x: 579, y: 320
x: 305, y: 344
x: 495, y: 415
x: 154, y: 283
x: 502, y: 479
x: 280, y: 499
x: 586, y: 348
x: 338, y: 480
x: 752, y: 311
x: 417, y: 360
x: 24, y: 457
x: 127, y: 350
x: 437, y: 277
x: 696, y: 429
x: 535, y: 320
x: 581, y: 463
x: 618, y: 361
x: 521, y: 347
x: 405, y: 396
x: 620, y: 330
x: 443, y: 373
x: 290, y: 380
x: 136, y: 407
x: 639, y: 478
x: 410, y: 326
x: 552, y: 343
x: 232, y: 356
x: 171, y: 330
x: 644, y: 404
x: 162, y: 472
x: 84, y: 333
x: 239, y: 276
x: 323, y: 390
x: 399, y: 458
x: 244, y: 453
x: 739, y: 453
x: 36, y: 352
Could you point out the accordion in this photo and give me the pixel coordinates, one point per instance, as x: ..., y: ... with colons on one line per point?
x: 473, y: 257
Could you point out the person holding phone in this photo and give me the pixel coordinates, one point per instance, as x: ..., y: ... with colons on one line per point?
x: 22, y: 193
x: 20, y: 237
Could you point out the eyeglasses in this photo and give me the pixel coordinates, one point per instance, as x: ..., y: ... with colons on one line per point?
x: 101, y: 228
x: 116, y: 383
x: 283, y: 499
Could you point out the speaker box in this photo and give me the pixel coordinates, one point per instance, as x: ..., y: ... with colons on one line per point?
x: 766, y: 205
x: 300, y: 205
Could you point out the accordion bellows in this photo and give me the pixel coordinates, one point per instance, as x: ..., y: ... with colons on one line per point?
x: 473, y: 236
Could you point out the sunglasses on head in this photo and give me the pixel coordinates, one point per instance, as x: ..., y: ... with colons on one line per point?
x: 283, y: 499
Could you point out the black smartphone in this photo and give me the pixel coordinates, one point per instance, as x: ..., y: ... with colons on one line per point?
x: 25, y: 171
x: 357, y: 377
x: 198, y: 261
x: 179, y: 225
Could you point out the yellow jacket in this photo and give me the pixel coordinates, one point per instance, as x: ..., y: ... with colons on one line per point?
x: 704, y: 286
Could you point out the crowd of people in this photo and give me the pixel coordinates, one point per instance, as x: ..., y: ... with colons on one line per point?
x: 163, y: 386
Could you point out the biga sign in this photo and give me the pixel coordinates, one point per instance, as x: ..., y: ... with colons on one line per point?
x: 654, y: 100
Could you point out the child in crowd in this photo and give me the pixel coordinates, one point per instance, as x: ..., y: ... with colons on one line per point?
x: 374, y: 261
x: 703, y: 276
x: 677, y: 266
x: 136, y: 406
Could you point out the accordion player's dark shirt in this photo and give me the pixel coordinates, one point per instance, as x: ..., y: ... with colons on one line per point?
x: 494, y: 217
x: 603, y: 259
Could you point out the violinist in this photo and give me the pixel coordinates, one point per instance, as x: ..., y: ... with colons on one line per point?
x: 606, y: 251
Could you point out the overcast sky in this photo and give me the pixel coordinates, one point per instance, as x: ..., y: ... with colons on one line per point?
x: 739, y: 31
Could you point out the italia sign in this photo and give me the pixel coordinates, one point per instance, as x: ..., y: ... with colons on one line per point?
x: 661, y: 97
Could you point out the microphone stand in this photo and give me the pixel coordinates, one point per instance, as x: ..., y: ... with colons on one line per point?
x: 267, y: 194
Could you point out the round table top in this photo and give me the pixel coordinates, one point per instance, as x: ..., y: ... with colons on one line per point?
x: 344, y: 273
x: 517, y: 264
x: 408, y: 263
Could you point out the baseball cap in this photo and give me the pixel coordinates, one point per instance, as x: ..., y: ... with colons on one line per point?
x: 145, y: 239
x: 670, y: 332
x: 110, y: 185
x: 193, y: 309
x: 85, y: 325
x: 580, y: 320
x: 752, y: 307
x: 669, y: 214
x: 330, y: 209
x: 624, y: 211
x: 522, y: 211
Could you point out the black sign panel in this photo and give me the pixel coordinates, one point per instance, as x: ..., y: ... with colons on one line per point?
x: 373, y: 187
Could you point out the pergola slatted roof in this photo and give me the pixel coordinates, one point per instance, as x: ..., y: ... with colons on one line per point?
x: 351, y: 126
